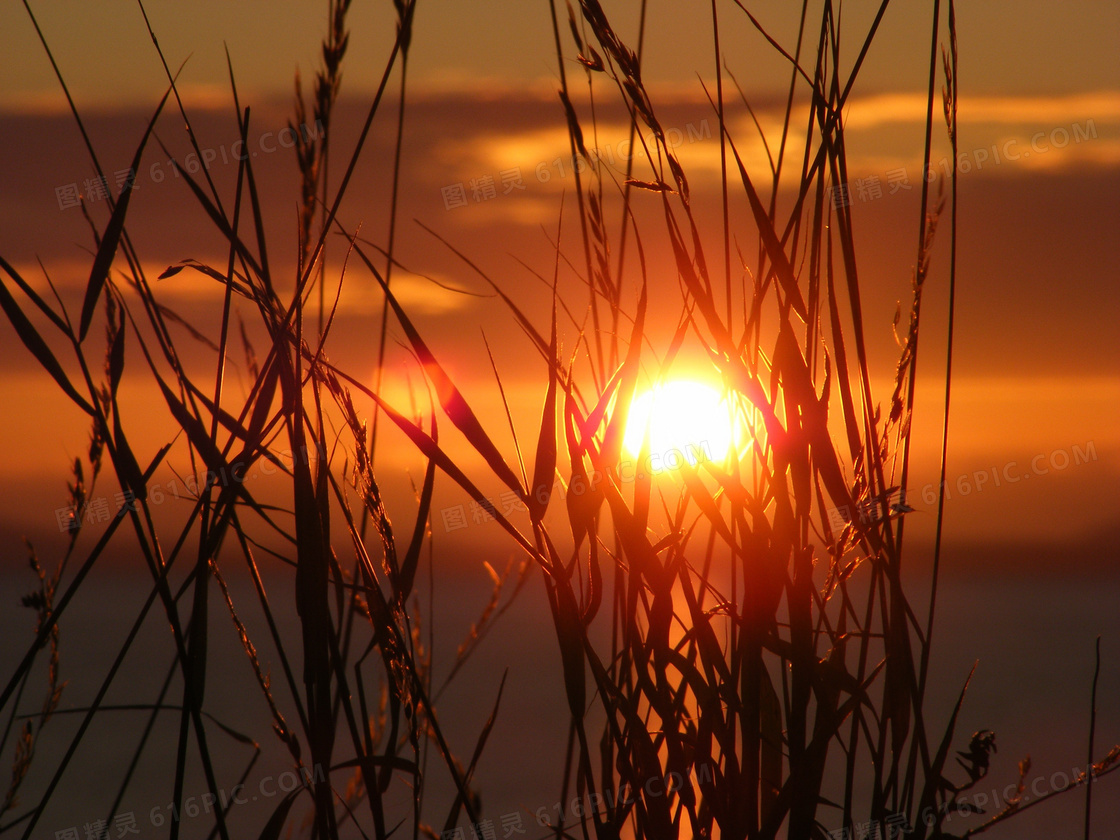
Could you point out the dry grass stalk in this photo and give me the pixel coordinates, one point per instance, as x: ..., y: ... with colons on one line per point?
x: 805, y: 661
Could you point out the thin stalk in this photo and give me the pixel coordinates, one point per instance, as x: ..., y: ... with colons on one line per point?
x: 952, y: 116
x: 723, y: 164
x: 388, y: 268
x: 919, y: 270
x: 1092, y: 736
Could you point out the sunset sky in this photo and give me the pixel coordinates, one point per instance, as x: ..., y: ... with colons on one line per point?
x: 1034, y: 447
x: 1040, y: 140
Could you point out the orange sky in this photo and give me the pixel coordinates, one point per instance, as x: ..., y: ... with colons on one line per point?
x: 1040, y: 134
x: 1033, y: 48
x: 1034, y: 455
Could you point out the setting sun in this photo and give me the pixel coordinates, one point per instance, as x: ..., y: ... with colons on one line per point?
x: 682, y: 417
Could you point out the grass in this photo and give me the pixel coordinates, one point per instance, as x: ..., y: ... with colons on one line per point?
x: 725, y: 629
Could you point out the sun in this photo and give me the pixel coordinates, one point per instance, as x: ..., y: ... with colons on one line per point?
x: 685, y: 420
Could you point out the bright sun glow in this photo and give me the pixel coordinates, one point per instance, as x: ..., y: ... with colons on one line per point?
x: 683, y: 418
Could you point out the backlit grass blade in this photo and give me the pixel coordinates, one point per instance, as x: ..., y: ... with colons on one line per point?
x: 616, y: 427
x: 782, y: 267
x: 412, y: 554
x: 132, y: 477
x: 217, y: 218
x: 432, y: 450
x: 31, y: 293
x: 99, y: 273
x: 453, y: 814
x: 449, y: 395
x: 934, y: 781
x: 275, y: 825
x: 39, y: 349
x: 544, y: 469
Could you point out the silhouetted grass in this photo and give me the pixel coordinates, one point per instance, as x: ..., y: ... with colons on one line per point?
x: 738, y: 638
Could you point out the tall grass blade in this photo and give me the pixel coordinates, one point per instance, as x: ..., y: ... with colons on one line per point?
x: 450, y: 397
x: 544, y: 468
x: 106, y: 252
x: 38, y: 347
x: 275, y: 825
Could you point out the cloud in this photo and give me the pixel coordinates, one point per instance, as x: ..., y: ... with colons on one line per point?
x: 417, y: 294
x: 361, y: 294
x: 999, y: 135
x: 881, y: 109
x: 52, y: 102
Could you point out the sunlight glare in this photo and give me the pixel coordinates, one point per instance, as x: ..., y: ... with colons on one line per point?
x: 682, y: 416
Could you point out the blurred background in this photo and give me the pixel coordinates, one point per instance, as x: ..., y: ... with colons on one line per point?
x: 1031, y: 568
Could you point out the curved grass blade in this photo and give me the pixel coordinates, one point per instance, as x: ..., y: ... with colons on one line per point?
x: 39, y: 349
x: 545, y: 467
x: 453, y: 815
x: 275, y: 824
x: 782, y: 268
x: 412, y: 555
x: 99, y: 273
x: 130, y: 473
x: 449, y: 395
x: 31, y: 293
x: 432, y: 450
